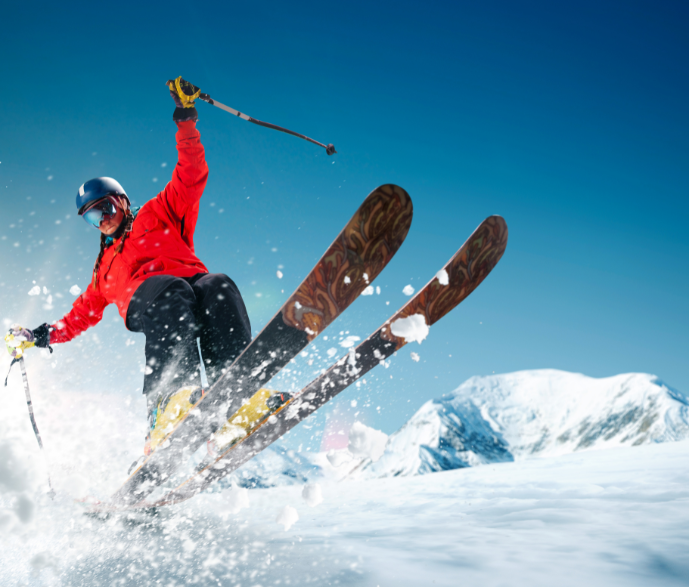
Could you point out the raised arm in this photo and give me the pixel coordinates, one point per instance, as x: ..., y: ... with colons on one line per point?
x: 181, y: 195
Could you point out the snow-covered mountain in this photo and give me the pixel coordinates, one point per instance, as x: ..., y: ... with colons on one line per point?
x: 532, y: 413
x: 275, y: 466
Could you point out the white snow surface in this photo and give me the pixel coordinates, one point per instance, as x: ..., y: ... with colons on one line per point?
x: 614, y: 517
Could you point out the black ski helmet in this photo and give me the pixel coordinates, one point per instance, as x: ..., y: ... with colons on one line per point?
x: 98, y: 188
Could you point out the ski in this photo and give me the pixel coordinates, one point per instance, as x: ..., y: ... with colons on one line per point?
x: 462, y: 275
x: 356, y: 257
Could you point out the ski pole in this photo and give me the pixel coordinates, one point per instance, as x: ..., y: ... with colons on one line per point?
x: 329, y: 148
x: 25, y: 380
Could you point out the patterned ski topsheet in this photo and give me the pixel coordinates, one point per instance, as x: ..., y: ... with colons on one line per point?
x: 463, y: 274
x: 356, y: 257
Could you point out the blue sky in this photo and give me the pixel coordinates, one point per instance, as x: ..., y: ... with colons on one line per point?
x: 569, y: 121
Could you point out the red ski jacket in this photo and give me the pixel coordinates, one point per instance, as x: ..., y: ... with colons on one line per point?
x: 161, y: 242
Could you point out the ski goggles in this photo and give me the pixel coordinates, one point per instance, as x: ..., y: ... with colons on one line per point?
x: 102, y: 210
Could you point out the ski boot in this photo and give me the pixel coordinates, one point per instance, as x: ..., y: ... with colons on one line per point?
x: 171, y: 410
x: 261, y: 405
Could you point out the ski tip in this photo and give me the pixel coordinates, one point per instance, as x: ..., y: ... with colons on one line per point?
x: 500, y: 221
x: 330, y: 149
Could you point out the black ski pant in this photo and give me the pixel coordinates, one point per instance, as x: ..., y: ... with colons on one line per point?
x: 173, y: 312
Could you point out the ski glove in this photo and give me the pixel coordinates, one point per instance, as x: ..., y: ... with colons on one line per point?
x: 18, y: 339
x: 184, y: 94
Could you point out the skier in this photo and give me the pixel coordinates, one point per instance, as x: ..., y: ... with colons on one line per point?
x: 148, y: 268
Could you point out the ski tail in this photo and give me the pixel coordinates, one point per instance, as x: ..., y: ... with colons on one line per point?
x: 467, y: 269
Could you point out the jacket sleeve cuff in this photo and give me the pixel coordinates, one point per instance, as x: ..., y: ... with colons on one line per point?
x: 185, y: 114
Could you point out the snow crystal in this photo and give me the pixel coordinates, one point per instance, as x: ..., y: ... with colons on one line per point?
x: 350, y: 341
x: 366, y: 442
x: 75, y: 290
x: 347, y: 280
x: 378, y: 290
x: 312, y: 494
x: 332, y: 352
x: 279, y: 274
x: 415, y: 357
x: 35, y: 290
x: 412, y: 328
x: 238, y: 499
x: 408, y: 290
x: 443, y: 277
x: 368, y: 291
x: 287, y: 517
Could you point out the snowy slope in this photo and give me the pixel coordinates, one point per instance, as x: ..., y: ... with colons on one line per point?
x: 608, y: 518
x: 550, y: 519
x: 532, y: 413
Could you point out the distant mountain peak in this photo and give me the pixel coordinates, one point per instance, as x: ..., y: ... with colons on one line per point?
x: 525, y: 414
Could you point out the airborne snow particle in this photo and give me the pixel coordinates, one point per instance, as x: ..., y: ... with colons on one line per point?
x: 415, y: 357
x: 287, y: 517
x: 50, y: 178
x: 366, y: 442
x: 408, y: 290
x: 350, y: 341
x: 155, y: 179
x: 238, y: 499
x: 412, y: 328
x: 279, y: 274
x: 338, y: 457
x: 24, y: 508
x: 35, y: 290
x: 312, y: 494
x: 346, y: 279
x: 443, y: 277
x: 368, y: 291
x: 75, y: 290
